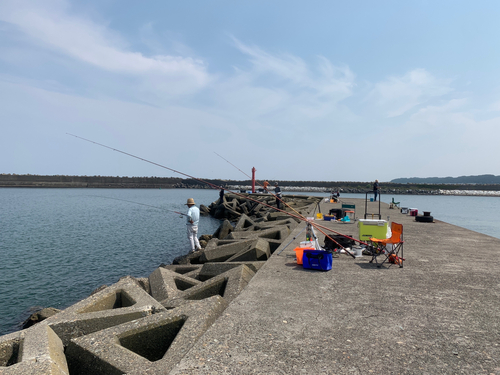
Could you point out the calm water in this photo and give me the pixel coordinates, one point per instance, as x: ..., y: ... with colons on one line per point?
x: 479, y: 214
x: 58, y: 245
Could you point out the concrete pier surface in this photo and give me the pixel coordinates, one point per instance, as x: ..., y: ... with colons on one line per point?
x: 440, y: 314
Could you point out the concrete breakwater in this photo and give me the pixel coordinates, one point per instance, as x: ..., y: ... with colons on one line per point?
x: 394, y: 191
x: 146, y: 325
x: 60, y: 181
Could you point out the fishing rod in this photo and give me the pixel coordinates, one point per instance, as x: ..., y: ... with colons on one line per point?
x: 301, y: 216
x: 142, y: 204
x: 197, y: 179
x: 282, y: 201
x: 181, y: 173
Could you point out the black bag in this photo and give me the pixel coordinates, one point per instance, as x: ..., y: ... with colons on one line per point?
x: 340, y: 239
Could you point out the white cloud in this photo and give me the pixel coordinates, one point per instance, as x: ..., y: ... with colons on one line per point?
x: 282, y: 91
x: 329, y: 79
x: 397, y: 95
x: 51, y: 24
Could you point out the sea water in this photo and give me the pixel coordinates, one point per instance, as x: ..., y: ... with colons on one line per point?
x: 58, y: 245
x: 476, y: 213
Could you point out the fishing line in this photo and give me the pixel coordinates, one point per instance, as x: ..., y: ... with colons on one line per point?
x: 142, y: 204
x: 205, y: 182
x: 282, y: 201
x: 301, y: 216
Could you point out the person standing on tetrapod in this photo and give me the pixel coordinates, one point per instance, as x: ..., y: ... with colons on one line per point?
x: 192, y: 220
x: 375, y: 190
x: 221, y: 195
x: 277, y: 192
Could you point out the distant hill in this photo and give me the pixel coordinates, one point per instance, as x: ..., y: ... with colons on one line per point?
x: 481, y: 179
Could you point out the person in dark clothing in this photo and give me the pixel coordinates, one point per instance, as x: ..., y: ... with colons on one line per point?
x: 277, y: 192
x: 375, y: 190
x: 221, y: 195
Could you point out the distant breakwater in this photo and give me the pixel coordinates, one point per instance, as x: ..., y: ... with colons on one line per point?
x: 62, y: 181
x: 399, y: 191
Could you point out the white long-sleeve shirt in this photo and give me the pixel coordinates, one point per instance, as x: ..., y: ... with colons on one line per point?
x: 194, y: 215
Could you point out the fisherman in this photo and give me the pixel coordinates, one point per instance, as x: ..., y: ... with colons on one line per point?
x: 277, y: 192
x: 221, y: 195
x: 375, y: 190
x: 266, y: 184
x: 192, y: 220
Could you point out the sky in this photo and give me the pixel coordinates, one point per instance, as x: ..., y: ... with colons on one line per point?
x: 307, y: 91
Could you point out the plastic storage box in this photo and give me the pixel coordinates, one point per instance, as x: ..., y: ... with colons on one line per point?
x: 369, y: 228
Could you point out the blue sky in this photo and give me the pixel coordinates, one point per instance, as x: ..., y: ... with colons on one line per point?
x: 317, y: 90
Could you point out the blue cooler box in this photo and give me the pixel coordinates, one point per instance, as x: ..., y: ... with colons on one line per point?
x: 317, y: 260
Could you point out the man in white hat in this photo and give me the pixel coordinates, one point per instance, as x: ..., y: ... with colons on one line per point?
x: 192, y: 220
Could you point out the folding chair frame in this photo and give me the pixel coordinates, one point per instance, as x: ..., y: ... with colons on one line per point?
x: 380, y: 247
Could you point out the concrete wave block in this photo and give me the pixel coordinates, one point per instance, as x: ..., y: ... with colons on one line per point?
x: 191, y: 270
x: 227, y: 284
x: 167, y: 284
x: 224, y: 252
x: 224, y: 229
x: 237, y: 280
x: 273, y: 216
x: 260, y: 250
x: 278, y: 232
x: 9, y: 349
x: 290, y: 223
x: 273, y: 244
x: 36, y: 350
x: 212, y: 244
x: 210, y: 270
x: 152, y: 345
x: 244, y: 223
x: 116, y: 304
x: 212, y: 287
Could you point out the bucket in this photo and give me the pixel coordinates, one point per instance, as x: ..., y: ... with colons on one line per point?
x: 358, y: 251
x: 371, y: 199
x: 319, y: 216
x: 299, y: 252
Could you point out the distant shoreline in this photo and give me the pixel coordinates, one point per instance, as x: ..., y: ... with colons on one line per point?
x: 108, y: 182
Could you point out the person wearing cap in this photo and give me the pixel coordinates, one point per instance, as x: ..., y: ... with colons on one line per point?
x: 192, y: 220
x: 277, y: 192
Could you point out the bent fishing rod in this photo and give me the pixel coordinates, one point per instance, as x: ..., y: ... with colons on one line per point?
x: 142, y: 204
x: 197, y: 179
x: 301, y: 216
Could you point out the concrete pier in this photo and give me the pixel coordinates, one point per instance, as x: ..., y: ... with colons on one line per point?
x: 244, y: 306
x: 438, y: 314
